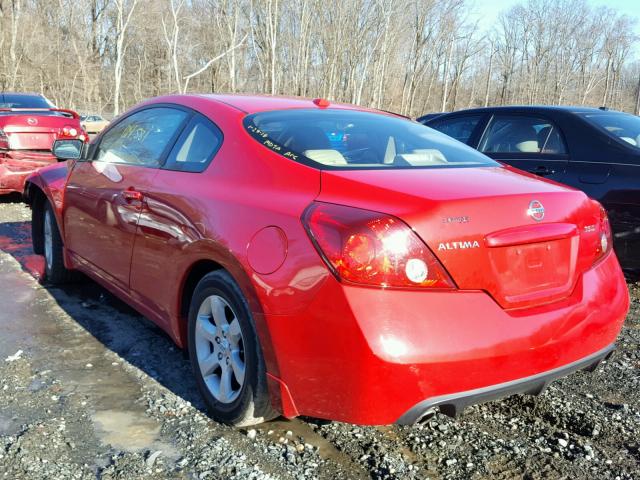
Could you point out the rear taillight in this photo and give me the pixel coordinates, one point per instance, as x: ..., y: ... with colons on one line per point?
x: 371, y: 248
x: 69, y: 131
x: 605, y: 237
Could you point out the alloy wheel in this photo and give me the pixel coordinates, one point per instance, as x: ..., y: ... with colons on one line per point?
x: 220, y: 349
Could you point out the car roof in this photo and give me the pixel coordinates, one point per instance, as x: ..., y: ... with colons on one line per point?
x: 532, y: 108
x: 259, y: 103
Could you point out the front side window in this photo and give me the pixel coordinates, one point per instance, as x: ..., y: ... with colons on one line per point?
x: 459, y: 128
x: 348, y: 139
x: 617, y: 124
x: 196, y: 146
x: 522, y: 134
x: 141, y: 138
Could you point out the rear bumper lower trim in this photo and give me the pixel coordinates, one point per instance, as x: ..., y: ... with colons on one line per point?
x: 453, y: 404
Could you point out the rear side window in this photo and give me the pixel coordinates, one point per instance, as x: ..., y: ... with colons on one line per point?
x: 141, y: 138
x: 350, y: 139
x: 459, y: 128
x: 522, y: 134
x: 196, y: 146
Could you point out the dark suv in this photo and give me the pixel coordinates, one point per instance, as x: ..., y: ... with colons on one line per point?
x: 593, y: 149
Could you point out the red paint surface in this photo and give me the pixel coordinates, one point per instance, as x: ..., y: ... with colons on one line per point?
x: 352, y: 353
x: 15, y: 239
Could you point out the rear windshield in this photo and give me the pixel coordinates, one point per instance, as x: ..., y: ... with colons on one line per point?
x: 347, y: 139
x: 617, y: 124
x: 8, y: 100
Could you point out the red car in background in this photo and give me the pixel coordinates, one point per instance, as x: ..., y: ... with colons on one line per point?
x: 370, y: 280
x: 29, y: 124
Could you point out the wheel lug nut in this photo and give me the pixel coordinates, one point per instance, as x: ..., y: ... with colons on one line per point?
x: 219, y: 356
x: 217, y: 339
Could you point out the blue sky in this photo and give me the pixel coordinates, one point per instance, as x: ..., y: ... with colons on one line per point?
x: 488, y: 10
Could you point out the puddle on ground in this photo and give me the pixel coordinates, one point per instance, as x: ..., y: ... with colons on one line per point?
x: 126, y: 430
x: 32, y: 321
x: 8, y: 426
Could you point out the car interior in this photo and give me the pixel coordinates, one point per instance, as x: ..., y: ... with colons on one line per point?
x: 623, y: 126
x: 522, y: 136
x: 333, y: 144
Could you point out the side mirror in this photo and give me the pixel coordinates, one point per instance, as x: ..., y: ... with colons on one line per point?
x: 68, y: 149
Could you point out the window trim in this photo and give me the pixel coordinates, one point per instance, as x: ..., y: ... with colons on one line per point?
x: 195, y: 116
x: 95, y: 147
x: 524, y: 155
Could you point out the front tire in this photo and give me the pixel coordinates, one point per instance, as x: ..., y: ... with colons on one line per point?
x: 54, y: 270
x: 225, y: 353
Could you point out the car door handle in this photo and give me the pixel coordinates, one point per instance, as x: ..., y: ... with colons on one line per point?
x: 542, y: 171
x: 131, y: 195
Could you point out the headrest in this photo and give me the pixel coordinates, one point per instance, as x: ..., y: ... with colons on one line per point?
x: 326, y: 156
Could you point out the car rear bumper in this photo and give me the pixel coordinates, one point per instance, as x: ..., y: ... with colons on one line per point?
x: 369, y: 356
x: 454, y: 404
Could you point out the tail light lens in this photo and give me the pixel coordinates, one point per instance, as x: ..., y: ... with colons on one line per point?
x: 371, y: 248
x: 605, y: 237
x: 69, y: 131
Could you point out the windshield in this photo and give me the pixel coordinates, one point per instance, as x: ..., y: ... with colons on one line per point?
x: 348, y: 139
x: 617, y: 124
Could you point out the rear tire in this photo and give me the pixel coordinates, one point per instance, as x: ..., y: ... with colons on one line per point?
x: 54, y: 270
x: 225, y: 353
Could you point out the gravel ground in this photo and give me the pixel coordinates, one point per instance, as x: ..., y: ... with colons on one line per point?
x: 89, y: 389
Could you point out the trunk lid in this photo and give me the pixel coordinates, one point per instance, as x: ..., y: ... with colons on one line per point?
x: 485, y: 225
x: 34, y: 130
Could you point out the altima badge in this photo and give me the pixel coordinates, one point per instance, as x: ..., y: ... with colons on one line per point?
x: 458, y: 245
x: 536, y: 210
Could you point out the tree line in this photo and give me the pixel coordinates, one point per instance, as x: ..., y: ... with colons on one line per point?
x: 409, y: 56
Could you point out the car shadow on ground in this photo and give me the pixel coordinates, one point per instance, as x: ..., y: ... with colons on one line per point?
x: 117, y: 326
x: 11, y: 198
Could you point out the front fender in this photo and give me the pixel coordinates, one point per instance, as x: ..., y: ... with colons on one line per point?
x: 50, y: 181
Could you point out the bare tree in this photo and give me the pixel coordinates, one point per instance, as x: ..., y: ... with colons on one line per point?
x: 411, y: 56
x: 124, y: 13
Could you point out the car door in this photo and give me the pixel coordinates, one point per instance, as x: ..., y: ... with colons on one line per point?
x: 106, y: 193
x: 530, y: 142
x: 170, y: 221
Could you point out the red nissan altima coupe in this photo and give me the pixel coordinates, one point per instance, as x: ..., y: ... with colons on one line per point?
x: 332, y: 261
